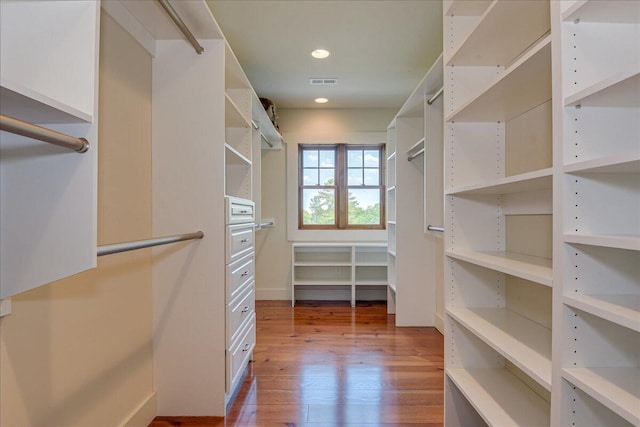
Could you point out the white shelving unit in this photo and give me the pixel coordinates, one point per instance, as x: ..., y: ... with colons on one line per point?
x: 498, y: 182
x: 597, y: 183
x: 414, y: 195
x: 343, y: 268
x: 48, y: 206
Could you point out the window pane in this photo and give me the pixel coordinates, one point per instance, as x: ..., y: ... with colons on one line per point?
x: 371, y: 177
x: 371, y: 158
x: 318, y: 207
x: 364, y: 207
x: 328, y: 158
x: 310, y: 176
x: 354, y: 158
x: 327, y: 177
x: 354, y: 177
x: 310, y: 159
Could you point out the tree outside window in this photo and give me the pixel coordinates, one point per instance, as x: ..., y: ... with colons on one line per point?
x: 341, y: 187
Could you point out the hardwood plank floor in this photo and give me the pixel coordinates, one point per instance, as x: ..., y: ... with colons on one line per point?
x: 326, y: 364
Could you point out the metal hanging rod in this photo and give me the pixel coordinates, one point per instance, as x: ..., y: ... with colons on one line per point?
x: 140, y: 244
x: 267, y: 224
x: 269, y: 143
x: 434, y: 228
x: 416, y: 154
x: 255, y: 125
x: 30, y: 130
x: 434, y: 97
x: 181, y: 25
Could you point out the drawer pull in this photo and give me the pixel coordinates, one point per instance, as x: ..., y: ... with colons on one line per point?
x: 244, y: 240
x: 245, y: 274
x: 244, y: 211
x: 246, y: 347
x: 245, y: 309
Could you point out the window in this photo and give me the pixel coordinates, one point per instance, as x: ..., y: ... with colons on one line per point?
x: 340, y: 186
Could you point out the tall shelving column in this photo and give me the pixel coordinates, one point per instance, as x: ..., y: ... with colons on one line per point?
x: 498, y: 212
x: 597, y: 151
x: 391, y: 217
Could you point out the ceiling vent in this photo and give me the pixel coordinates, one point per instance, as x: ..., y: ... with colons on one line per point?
x: 324, y: 82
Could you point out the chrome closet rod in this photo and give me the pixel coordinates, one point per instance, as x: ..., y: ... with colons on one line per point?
x: 140, y: 244
x: 434, y: 228
x: 181, y: 25
x: 434, y: 97
x: 269, y: 143
x: 9, y: 124
x: 416, y: 154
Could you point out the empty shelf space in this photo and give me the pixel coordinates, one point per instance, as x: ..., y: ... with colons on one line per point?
x: 530, y: 181
x: 527, y: 267
x: 371, y: 263
x: 620, y: 90
x: 523, y: 86
x: 322, y: 264
x: 617, y: 388
x: 234, y: 157
x: 605, y: 240
x: 603, y: 11
x: 623, y: 310
x: 416, y: 150
x: 490, y: 42
x: 500, y: 398
x: 523, y: 342
x: 371, y: 283
x: 622, y: 163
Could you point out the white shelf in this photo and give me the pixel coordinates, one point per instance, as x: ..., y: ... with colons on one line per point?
x: 234, y: 157
x: 530, y: 181
x: 617, y: 388
x: 322, y: 264
x: 623, y: 310
x: 524, y: 85
x: 322, y: 283
x: 371, y: 283
x: 392, y: 286
x: 392, y: 156
x: 527, y: 267
x: 371, y: 264
x: 620, y: 90
x: 391, y: 189
x: 523, y: 342
x: 391, y: 222
x: 490, y: 42
x: 392, y: 253
x: 500, y: 398
x: 621, y: 163
x: 233, y: 116
x: 608, y: 241
x: 603, y: 11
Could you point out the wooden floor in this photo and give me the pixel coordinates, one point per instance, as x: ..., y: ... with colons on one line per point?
x: 326, y: 364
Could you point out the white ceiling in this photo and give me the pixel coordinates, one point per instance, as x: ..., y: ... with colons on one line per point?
x: 380, y: 50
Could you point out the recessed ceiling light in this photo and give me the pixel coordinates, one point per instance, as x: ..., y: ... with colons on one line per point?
x: 320, y: 53
x: 322, y: 100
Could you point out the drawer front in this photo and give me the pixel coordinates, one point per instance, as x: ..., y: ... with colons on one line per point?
x: 240, y: 240
x: 241, y: 309
x: 239, y: 211
x: 239, y: 273
x: 239, y: 353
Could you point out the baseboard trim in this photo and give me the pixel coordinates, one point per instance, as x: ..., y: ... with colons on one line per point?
x: 439, y: 323
x: 272, y: 294
x: 144, y: 413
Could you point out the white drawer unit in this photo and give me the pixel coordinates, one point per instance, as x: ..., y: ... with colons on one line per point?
x: 240, y: 240
x: 238, y: 274
x: 239, y: 211
x: 239, y: 311
x: 239, y: 353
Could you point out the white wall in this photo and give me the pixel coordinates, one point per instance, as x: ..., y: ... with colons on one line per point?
x: 77, y: 352
x: 273, y: 247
